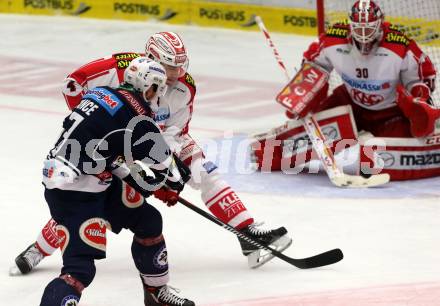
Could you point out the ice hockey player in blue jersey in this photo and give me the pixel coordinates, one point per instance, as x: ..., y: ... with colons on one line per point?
x: 110, y: 145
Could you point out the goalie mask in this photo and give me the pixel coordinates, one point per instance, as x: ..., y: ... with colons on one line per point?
x: 168, y: 49
x: 366, y: 19
x: 147, y: 77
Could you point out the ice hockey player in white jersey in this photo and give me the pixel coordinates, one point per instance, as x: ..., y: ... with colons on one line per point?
x: 387, y: 82
x: 172, y: 113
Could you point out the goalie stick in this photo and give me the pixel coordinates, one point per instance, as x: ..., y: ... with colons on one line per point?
x: 336, y: 176
x: 319, y: 260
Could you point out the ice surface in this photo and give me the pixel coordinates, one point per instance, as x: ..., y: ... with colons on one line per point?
x: 389, y: 235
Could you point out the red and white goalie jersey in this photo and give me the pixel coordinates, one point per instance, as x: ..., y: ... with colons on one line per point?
x: 172, y: 112
x: 371, y: 79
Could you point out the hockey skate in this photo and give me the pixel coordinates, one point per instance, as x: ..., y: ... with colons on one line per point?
x: 162, y: 296
x: 275, y: 238
x: 26, y: 261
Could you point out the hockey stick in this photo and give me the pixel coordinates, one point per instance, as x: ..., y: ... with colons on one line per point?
x: 336, y: 176
x: 323, y: 259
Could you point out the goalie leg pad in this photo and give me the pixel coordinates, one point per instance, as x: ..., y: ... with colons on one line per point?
x: 401, y: 158
x: 288, y: 146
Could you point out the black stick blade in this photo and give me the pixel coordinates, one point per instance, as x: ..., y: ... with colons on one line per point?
x: 323, y: 259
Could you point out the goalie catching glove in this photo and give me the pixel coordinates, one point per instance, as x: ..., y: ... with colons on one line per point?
x: 420, y: 113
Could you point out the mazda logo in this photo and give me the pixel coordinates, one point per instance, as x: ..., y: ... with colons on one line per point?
x: 387, y: 158
x: 330, y: 132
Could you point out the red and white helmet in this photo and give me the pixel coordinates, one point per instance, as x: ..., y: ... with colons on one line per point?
x: 366, y: 19
x: 168, y: 48
x: 143, y: 73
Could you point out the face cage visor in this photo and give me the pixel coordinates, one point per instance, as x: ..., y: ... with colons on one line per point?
x: 365, y: 32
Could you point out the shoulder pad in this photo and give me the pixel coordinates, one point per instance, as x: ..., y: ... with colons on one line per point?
x: 341, y: 23
x: 338, y: 30
x: 124, y: 59
x: 106, y: 97
x: 188, y: 80
x: 394, y: 34
x: 133, y: 100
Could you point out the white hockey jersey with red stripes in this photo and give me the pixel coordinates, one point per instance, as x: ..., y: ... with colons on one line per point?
x: 371, y: 80
x: 172, y: 112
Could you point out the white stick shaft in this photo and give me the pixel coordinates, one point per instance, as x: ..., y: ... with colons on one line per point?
x: 272, y: 46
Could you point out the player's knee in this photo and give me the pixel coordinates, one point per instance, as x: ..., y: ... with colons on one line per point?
x: 203, y: 173
x: 150, y: 257
x: 149, y: 222
x: 81, y: 270
x: 59, y: 292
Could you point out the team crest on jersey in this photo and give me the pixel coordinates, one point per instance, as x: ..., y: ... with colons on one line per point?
x: 92, y: 232
x: 366, y: 99
x: 130, y: 197
x: 64, y: 237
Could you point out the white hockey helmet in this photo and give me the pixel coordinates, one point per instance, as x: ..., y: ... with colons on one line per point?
x: 143, y: 74
x: 167, y: 48
x: 366, y: 19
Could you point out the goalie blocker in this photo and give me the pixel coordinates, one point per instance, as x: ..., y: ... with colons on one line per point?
x: 305, y: 91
